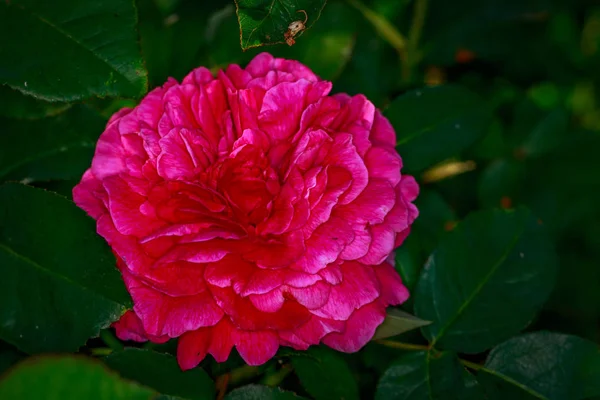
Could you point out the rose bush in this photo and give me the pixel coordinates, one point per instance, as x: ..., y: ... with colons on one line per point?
x: 253, y: 210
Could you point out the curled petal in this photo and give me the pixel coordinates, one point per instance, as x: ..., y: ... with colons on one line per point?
x: 256, y: 348
x: 393, y: 292
x: 90, y: 196
x: 171, y: 316
x: 359, y: 286
x: 129, y: 327
x: 360, y: 328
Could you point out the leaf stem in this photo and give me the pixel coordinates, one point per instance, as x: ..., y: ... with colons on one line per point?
x: 110, y: 339
x: 402, y: 346
x: 471, y: 365
x: 221, y: 384
x: 278, y: 377
x: 243, y: 373
x: 384, y: 28
x: 101, y: 351
x: 418, y: 21
x: 414, y: 35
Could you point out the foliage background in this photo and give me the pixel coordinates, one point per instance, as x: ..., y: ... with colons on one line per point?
x: 497, y: 108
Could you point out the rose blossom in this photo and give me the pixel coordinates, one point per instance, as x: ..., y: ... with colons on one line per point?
x: 252, y: 210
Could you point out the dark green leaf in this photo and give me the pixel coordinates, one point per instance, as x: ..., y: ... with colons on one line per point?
x: 542, y: 365
x: 501, y: 182
x: 162, y: 373
x: 435, y: 123
x: 18, y: 105
x: 547, y: 134
x: 175, y: 41
x: 264, y: 22
x: 423, y: 375
x: 318, y: 365
x: 486, y: 280
x: 397, y: 322
x: 379, y: 357
x: 472, y: 389
x: 259, y: 392
x: 62, y: 187
x: 156, y: 41
x: 67, y: 378
x: 60, y: 147
x: 368, y: 55
x: 69, y: 50
x: 9, y: 355
x: 491, y: 146
x: 223, y: 39
x: 409, y: 261
x: 545, y: 95
x: 59, y: 282
x: 436, y: 217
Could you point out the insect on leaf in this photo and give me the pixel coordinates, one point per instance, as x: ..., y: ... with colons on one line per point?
x: 268, y: 22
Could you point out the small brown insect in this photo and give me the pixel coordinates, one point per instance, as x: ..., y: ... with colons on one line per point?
x: 295, y: 28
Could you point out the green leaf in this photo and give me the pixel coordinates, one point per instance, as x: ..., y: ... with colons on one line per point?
x: 423, y: 375
x: 59, y: 282
x: 486, y: 280
x: 259, y: 392
x: 409, y: 261
x: 435, y: 218
x: 547, y: 134
x: 67, y: 378
x: 435, y: 123
x: 370, y: 53
x: 472, y: 389
x: 501, y: 179
x: 62, y: 187
x: 491, y: 146
x: 542, y: 365
x: 378, y: 357
x: 397, y: 322
x: 265, y: 22
x: 384, y: 28
x: 17, y: 105
x: 175, y: 40
x: 162, y: 373
x: 69, y: 50
x: 50, y: 148
x: 320, y: 364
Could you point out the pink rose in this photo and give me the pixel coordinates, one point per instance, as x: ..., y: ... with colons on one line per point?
x: 251, y: 210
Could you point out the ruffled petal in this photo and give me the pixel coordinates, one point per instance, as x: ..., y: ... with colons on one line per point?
x: 360, y: 328
x: 129, y: 327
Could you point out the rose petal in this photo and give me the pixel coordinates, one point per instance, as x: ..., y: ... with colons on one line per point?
x: 129, y: 327
x: 192, y: 347
x: 256, y: 348
x: 359, y: 286
x: 360, y: 329
x: 172, y: 316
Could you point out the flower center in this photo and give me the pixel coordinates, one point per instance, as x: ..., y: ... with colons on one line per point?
x: 248, y: 183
